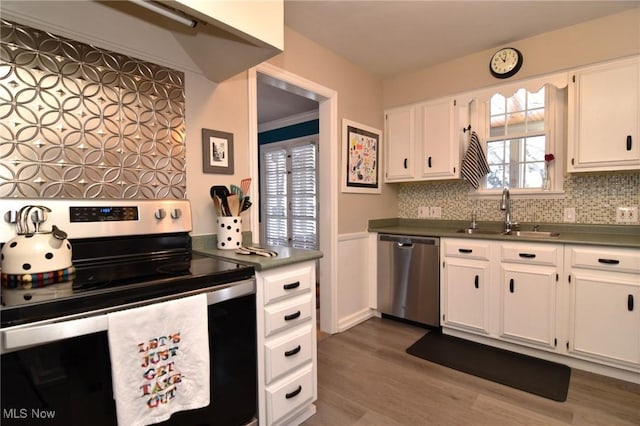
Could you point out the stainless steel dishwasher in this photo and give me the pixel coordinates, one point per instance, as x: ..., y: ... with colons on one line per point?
x: 409, y: 278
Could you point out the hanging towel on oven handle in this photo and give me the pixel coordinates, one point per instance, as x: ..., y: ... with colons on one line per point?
x: 159, y: 360
x: 474, y: 163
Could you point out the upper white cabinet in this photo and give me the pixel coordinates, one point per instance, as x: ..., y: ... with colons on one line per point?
x: 400, y: 132
x: 604, y: 117
x: 422, y: 142
x: 440, y: 148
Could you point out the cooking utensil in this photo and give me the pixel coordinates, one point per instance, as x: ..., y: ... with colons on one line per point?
x: 235, y: 189
x: 246, y: 250
x: 234, y: 205
x: 245, y: 204
x: 245, y: 184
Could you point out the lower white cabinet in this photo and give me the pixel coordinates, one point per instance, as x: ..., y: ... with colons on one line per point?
x: 465, y: 278
x: 529, y: 275
x: 566, y: 300
x: 287, y: 361
x: 604, y: 319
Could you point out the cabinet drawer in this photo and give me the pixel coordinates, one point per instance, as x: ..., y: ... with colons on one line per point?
x: 286, y: 353
x: 469, y: 249
x: 535, y: 254
x: 288, y: 313
x: 607, y: 259
x: 289, y: 395
x: 286, y: 282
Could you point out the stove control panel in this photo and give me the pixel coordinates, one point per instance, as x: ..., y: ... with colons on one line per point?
x: 92, y: 218
x: 101, y: 214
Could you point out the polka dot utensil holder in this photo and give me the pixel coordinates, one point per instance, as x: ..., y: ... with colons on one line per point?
x: 229, y: 232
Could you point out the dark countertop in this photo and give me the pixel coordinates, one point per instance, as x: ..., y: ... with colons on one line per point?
x: 207, y: 245
x: 603, y: 235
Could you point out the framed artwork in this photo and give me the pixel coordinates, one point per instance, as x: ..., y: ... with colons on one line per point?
x: 360, y: 158
x: 217, y: 152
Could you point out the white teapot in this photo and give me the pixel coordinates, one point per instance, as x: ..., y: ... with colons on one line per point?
x: 36, y: 252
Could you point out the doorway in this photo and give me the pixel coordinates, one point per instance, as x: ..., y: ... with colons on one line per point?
x: 327, y: 181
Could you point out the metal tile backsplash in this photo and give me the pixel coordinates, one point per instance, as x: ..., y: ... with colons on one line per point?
x: 77, y: 121
x: 594, y: 196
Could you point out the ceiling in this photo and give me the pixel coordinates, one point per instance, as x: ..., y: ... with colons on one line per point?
x: 392, y: 37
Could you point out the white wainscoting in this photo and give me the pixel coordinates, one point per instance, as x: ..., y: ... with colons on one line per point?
x: 356, y: 279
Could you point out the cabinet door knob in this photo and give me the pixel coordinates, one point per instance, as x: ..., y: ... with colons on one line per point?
x: 405, y: 163
x: 294, y: 393
x: 609, y: 261
x: 477, y: 282
x: 511, y: 285
x: 292, y: 316
x: 291, y: 286
x: 293, y: 351
x: 629, y: 142
x: 429, y: 161
x: 630, y: 303
x: 527, y: 255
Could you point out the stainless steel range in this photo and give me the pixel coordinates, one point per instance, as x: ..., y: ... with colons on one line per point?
x: 124, y: 254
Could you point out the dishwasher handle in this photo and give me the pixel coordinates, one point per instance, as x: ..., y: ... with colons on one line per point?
x: 408, y: 241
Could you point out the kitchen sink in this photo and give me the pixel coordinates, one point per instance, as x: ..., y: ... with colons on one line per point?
x: 535, y: 234
x: 479, y: 231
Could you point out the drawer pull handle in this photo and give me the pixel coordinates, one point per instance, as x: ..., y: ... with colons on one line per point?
x: 466, y: 251
x: 511, y: 285
x: 291, y: 286
x: 629, y: 142
x: 476, y: 282
x: 294, y: 393
x: 630, y: 303
x: 292, y: 316
x: 527, y: 255
x: 609, y: 261
x: 293, y: 351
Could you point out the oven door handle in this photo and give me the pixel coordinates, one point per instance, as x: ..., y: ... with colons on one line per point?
x: 48, y: 331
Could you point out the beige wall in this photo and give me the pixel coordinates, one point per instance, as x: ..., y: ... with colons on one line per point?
x: 594, y: 41
x: 359, y: 100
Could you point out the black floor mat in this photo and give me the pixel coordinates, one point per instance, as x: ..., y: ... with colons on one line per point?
x: 540, y: 377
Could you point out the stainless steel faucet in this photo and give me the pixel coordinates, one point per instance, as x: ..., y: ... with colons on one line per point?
x: 505, y: 204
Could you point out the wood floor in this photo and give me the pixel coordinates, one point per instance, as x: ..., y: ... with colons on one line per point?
x: 366, y: 378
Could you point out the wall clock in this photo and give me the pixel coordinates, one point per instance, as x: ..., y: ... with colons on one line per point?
x: 505, y: 62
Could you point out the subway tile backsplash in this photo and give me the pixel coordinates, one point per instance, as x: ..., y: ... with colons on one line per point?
x: 594, y: 197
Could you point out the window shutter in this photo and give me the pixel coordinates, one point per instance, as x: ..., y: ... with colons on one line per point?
x: 290, y: 200
x: 275, y: 193
x: 303, y: 198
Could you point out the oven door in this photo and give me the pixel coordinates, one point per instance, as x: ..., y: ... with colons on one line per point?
x: 59, y: 371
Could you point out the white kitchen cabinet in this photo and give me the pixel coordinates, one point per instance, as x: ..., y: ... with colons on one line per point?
x: 440, y: 145
x: 422, y: 142
x: 529, y: 275
x: 604, y: 304
x: 465, y: 284
x: 604, y: 117
x: 400, y: 130
x: 287, y: 360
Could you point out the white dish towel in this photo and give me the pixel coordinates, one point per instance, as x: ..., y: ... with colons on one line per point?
x: 159, y: 360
